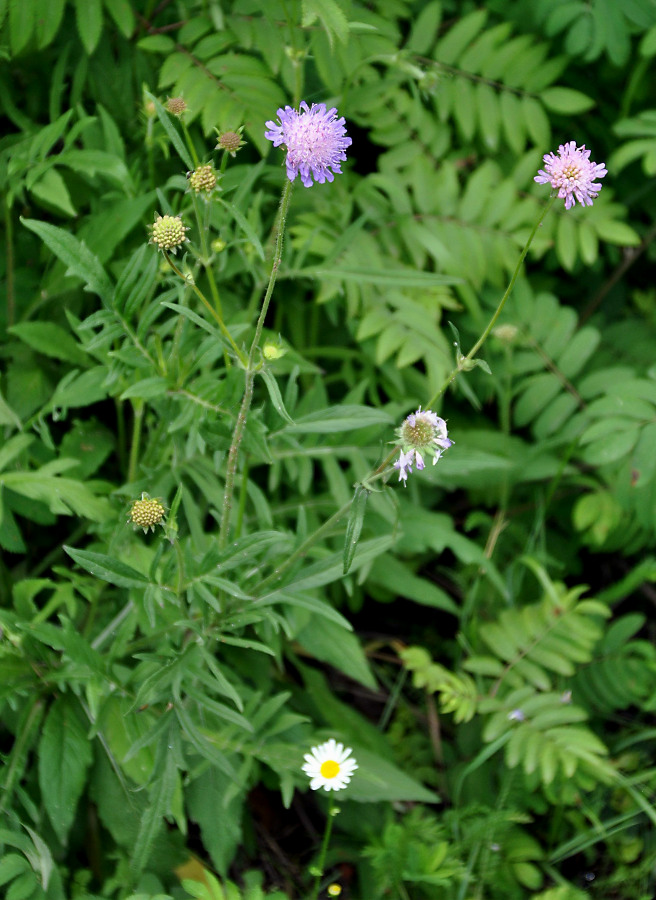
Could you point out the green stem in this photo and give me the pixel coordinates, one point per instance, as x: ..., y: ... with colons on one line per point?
x: 302, y: 549
x: 242, y: 417
x: 138, y: 407
x: 241, y: 356
x: 464, y: 362
x: 332, y: 812
x: 190, y: 143
x: 9, y: 244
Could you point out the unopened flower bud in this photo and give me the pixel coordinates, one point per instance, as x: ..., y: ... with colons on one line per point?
x: 175, y: 105
x: 168, y: 233
x: 230, y: 141
x: 146, y: 513
x: 203, y: 179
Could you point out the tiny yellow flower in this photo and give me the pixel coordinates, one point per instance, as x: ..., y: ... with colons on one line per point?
x: 334, y: 890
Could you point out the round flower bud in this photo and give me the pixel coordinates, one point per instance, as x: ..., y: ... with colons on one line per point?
x: 273, y: 351
x: 146, y: 513
x: 175, y: 105
x: 168, y: 233
x: 202, y: 179
x: 334, y: 890
x: 218, y: 245
x: 505, y: 333
x: 230, y: 141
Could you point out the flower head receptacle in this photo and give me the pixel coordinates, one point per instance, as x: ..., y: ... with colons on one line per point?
x: 168, y: 233
x: 422, y: 433
x: 572, y: 174
x: 328, y: 766
x: 315, y: 139
x: 146, y: 513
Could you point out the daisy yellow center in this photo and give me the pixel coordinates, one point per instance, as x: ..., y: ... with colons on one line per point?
x: 329, y: 768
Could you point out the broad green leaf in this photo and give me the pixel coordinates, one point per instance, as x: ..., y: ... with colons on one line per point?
x: 52, y: 191
x: 64, y: 757
x: 331, y: 16
x: 88, y: 17
x: 51, y: 340
x: 566, y: 100
x: 331, y: 643
x: 164, y: 784
x: 122, y: 13
x: 338, y: 418
x: 21, y: 25
x: 274, y: 394
x: 76, y: 255
x: 107, y: 568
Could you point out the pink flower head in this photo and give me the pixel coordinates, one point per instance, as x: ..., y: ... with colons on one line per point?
x: 315, y: 139
x: 572, y: 174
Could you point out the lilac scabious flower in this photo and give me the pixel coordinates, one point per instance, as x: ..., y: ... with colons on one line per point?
x: 572, y: 174
x: 315, y: 139
x: 422, y: 432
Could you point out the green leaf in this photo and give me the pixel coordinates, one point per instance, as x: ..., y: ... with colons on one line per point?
x: 172, y: 132
x: 81, y: 262
x: 378, y: 780
x: 245, y: 226
x: 64, y: 758
x: 338, y: 418
x: 51, y: 340
x: 88, y: 16
x: 274, y: 394
x: 161, y: 798
x: 122, y: 13
x: 566, y: 100
x: 52, y: 191
x: 331, y: 16
x: 107, y: 568
x: 406, y: 278
x: 7, y: 415
x: 331, y: 643
x: 21, y: 25
x: 354, y: 525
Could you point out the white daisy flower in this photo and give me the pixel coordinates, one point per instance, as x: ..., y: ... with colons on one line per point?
x: 328, y: 766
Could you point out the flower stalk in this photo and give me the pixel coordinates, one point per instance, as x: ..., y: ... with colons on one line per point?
x: 251, y: 369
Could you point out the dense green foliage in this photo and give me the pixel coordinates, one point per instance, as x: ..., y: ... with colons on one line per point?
x: 482, y: 639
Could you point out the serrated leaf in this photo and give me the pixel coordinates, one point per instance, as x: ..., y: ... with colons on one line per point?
x: 75, y: 254
x: 51, y: 340
x: 64, y: 757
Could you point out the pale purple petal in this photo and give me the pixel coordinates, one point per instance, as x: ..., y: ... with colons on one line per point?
x: 315, y: 139
x: 572, y: 174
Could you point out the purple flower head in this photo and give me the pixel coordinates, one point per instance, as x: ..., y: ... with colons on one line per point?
x: 422, y: 432
x: 315, y: 139
x: 516, y: 715
x: 572, y: 174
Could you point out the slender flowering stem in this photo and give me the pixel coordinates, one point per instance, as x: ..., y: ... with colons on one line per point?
x: 247, y: 398
x: 332, y: 812
x: 463, y: 363
x: 214, y: 313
